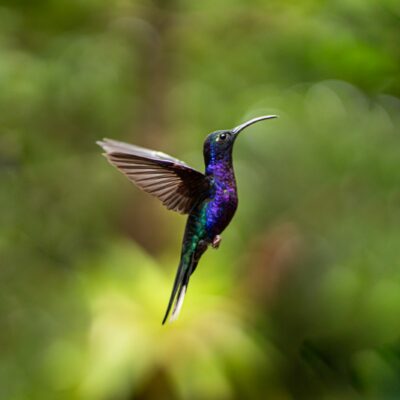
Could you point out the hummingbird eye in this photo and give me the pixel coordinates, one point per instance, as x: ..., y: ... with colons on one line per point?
x: 222, y: 136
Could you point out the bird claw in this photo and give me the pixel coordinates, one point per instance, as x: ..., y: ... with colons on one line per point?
x: 216, y: 242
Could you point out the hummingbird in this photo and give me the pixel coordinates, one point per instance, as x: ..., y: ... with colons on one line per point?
x: 210, y: 199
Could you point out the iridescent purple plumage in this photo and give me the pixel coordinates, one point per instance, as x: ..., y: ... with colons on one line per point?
x: 224, y: 200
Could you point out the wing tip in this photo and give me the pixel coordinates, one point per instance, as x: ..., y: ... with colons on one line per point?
x: 105, y: 144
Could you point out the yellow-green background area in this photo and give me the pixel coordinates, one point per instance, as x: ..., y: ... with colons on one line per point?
x: 301, y: 301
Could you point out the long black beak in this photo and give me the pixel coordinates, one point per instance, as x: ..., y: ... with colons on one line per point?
x: 251, y: 122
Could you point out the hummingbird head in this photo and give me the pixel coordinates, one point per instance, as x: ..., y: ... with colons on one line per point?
x: 218, y: 145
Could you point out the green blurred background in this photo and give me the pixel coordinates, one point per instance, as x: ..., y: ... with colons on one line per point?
x: 301, y: 301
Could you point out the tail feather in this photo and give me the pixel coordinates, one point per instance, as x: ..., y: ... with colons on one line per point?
x: 179, y: 289
x: 176, y: 286
x: 178, y: 304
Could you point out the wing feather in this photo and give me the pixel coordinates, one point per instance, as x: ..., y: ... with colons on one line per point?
x: 172, y: 181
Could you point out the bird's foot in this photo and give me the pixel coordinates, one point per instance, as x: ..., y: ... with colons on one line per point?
x: 216, y: 242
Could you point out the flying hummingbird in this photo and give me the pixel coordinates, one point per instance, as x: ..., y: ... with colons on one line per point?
x: 210, y: 199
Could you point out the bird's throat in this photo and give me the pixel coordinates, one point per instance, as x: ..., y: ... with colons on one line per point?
x: 222, y: 173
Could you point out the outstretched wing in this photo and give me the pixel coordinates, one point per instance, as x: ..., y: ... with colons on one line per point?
x: 172, y: 181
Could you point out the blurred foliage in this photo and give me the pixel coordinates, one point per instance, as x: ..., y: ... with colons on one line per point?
x: 303, y: 297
